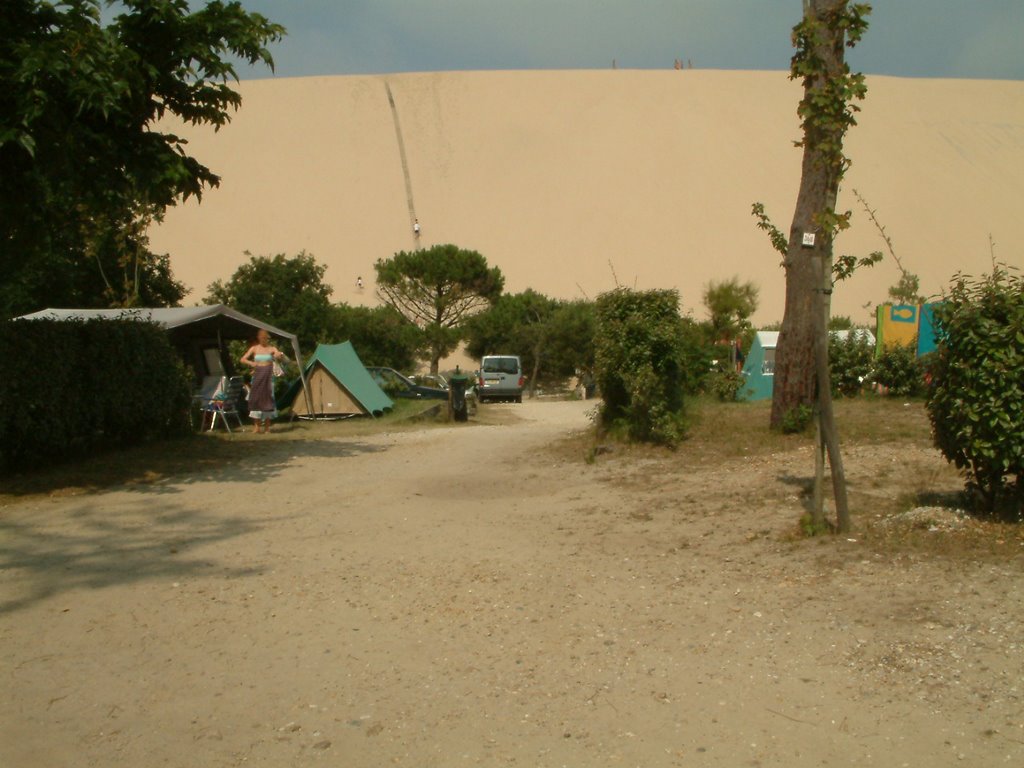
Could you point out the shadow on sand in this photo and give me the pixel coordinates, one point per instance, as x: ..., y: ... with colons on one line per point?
x: 106, y: 547
x: 165, y: 467
x: 258, y: 464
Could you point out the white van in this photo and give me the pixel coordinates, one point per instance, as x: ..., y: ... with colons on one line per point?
x: 500, y: 378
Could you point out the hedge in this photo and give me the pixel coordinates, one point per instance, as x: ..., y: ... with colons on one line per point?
x: 72, y: 388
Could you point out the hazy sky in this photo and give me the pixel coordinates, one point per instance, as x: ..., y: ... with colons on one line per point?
x: 913, y: 38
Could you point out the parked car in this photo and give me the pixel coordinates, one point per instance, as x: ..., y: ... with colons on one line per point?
x: 500, y: 378
x: 397, y: 385
x: 435, y: 380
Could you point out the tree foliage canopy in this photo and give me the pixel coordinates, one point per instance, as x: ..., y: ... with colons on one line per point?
x: 730, y: 304
x: 82, y: 155
x: 288, y: 292
x: 438, y: 289
x: 516, y: 324
x: 553, y: 338
x: 380, y: 335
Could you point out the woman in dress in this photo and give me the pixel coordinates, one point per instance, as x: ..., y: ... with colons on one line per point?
x: 261, y: 357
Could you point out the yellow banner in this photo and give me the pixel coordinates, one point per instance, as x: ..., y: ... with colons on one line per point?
x: 897, y: 324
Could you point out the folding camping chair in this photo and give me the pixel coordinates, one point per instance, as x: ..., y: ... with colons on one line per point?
x: 223, y: 403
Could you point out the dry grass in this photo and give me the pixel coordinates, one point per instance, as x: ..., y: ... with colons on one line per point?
x: 723, y: 431
x: 904, y: 496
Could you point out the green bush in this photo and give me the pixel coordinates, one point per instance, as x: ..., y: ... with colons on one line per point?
x: 850, y: 362
x: 725, y: 385
x: 73, y: 388
x: 796, y: 420
x: 696, y: 356
x: 640, y: 348
x: 976, y: 395
x: 900, y: 371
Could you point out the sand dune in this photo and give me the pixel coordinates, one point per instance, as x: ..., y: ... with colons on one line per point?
x: 570, y: 180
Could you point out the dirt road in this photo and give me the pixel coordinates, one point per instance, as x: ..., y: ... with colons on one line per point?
x: 466, y: 596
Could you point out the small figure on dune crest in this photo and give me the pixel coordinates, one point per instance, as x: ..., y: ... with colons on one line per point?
x: 416, y: 228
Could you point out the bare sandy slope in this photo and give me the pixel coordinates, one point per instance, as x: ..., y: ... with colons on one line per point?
x: 567, y: 180
x: 464, y: 596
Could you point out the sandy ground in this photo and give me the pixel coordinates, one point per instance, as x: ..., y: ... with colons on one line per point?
x: 468, y: 596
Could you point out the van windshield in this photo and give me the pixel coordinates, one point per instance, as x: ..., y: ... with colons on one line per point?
x: 501, y: 365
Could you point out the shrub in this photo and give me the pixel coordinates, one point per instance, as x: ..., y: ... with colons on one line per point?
x: 639, y: 354
x: 72, y: 388
x: 850, y: 362
x: 696, y: 356
x: 976, y: 395
x: 900, y: 371
x: 726, y: 385
x: 796, y: 420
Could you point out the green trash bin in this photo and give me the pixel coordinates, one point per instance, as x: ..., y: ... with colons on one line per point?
x: 458, y: 383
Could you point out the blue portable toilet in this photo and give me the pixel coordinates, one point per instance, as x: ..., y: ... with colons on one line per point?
x: 759, y: 367
x: 927, y: 337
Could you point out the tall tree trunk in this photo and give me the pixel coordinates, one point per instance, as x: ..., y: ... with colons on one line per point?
x: 436, y: 352
x: 801, y: 364
x: 819, y: 185
x: 794, y: 355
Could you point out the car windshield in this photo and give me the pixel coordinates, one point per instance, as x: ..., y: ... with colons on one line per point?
x: 501, y: 365
x: 388, y: 376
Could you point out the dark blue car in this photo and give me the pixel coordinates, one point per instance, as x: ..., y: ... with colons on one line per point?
x: 397, y: 385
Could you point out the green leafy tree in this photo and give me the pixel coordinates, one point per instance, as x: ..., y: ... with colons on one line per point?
x: 730, y: 304
x: 288, y: 292
x: 380, y: 335
x: 122, y: 271
x: 84, y: 162
x: 826, y: 112
x: 571, y: 341
x: 438, y: 289
x: 516, y: 324
x: 554, y: 339
x: 840, y: 323
x: 976, y: 396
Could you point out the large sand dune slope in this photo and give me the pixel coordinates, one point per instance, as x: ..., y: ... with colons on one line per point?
x: 569, y: 181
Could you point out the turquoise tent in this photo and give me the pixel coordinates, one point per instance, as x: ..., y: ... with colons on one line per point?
x: 927, y: 331
x: 759, y: 367
x: 339, y: 386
